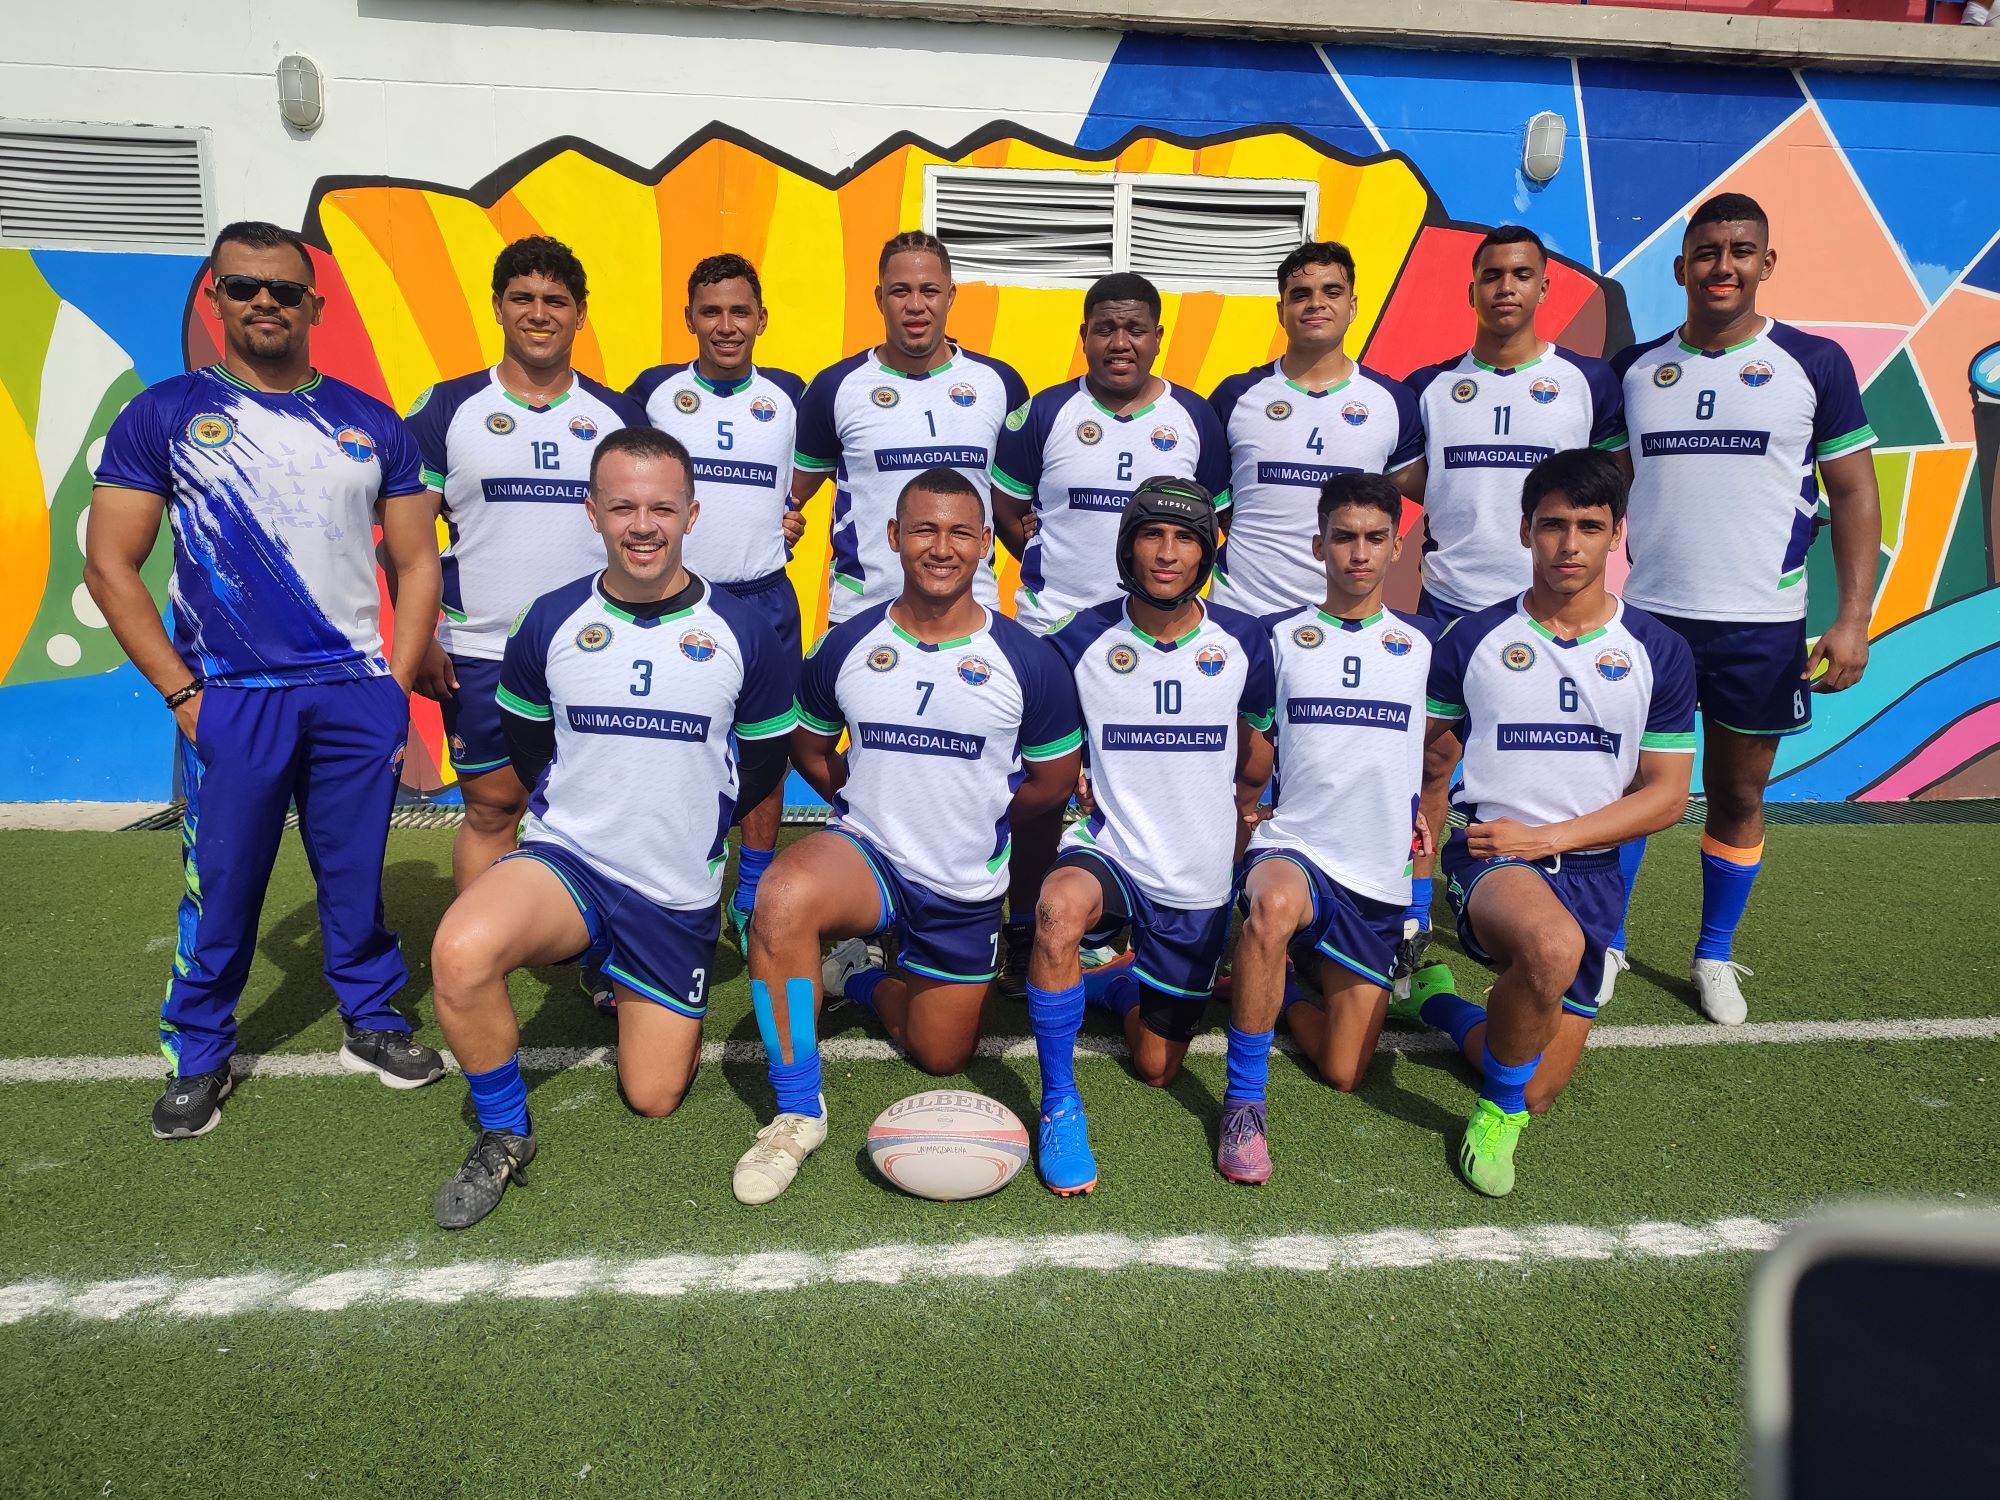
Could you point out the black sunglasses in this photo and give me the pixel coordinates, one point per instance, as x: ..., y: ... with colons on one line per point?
x: 243, y: 288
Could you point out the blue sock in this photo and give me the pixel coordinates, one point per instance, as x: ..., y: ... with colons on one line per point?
x: 1507, y: 1084
x: 1246, y: 1067
x: 1452, y: 1015
x: 500, y: 1097
x: 1629, y: 857
x: 1727, y: 873
x: 1420, y: 901
x: 1056, y: 1016
x: 1100, y: 983
x: 796, y: 1083
x: 750, y: 867
x: 860, y: 987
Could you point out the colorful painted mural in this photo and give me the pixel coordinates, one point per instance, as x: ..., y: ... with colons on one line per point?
x: 1885, y: 196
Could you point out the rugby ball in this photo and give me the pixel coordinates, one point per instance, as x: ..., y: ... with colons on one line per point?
x: 948, y: 1144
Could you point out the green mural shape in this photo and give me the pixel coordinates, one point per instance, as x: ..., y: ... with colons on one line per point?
x: 1897, y: 408
x: 66, y: 612
x: 31, y: 305
x: 1966, y: 559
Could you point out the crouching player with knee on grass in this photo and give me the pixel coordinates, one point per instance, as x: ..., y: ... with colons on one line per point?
x: 1577, y: 716
x: 1175, y: 695
x: 645, y: 709
x: 1329, y: 863
x: 958, y: 720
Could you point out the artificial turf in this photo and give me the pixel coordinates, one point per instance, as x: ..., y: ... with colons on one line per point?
x: 1613, y: 1377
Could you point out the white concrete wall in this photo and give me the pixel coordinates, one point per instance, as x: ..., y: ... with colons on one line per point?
x: 410, y: 83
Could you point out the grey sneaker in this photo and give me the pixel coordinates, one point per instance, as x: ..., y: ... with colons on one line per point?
x: 474, y: 1190
x: 192, y: 1106
x: 392, y: 1056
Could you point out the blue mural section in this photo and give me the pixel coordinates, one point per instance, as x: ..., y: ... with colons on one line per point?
x: 1210, y: 87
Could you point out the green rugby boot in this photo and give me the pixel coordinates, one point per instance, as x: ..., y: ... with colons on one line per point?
x: 1486, y: 1155
x: 1406, y: 1000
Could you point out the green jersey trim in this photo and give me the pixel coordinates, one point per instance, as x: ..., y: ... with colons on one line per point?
x: 1848, y: 442
x: 1437, y: 710
x: 1678, y: 743
x: 515, y: 704
x: 1011, y: 485
x: 1053, y: 748
x: 817, y: 725
x: 765, y: 729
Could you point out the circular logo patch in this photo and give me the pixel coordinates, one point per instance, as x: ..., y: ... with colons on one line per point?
x: 1464, y: 391
x: 583, y: 429
x: 686, y: 402
x: 1545, y: 390
x: 499, y: 424
x: 458, y: 747
x: 883, y: 396
x: 963, y: 395
x: 1613, y: 665
x: 698, y: 645
x: 1354, y: 414
x: 211, y: 430
x: 1395, y: 643
x: 1667, y: 375
x: 593, y: 637
x: 1121, y: 659
x: 1308, y: 637
x: 882, y: 658
x: 1088, y: 433
x: 356, y: 444
x: 1277, y: 411
x: 1756, y: 373
x: 973, y: 670
x: 421, y: 402
x: 1518, y: 656
x: 764, y: 409
x: 1165, y: 438
x: 1210, y: 660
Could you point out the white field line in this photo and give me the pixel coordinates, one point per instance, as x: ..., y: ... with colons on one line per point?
x: 879, y: 1265
x: 1019, y: 1048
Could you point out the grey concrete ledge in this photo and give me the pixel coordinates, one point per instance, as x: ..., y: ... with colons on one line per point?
x: 1476, y: 26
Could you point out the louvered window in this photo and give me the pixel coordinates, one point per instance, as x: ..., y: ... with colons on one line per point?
x: 1036, y: 228
x: 127, y: 188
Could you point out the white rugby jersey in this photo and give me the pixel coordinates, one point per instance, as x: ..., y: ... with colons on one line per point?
x: 740, y: 435
x: 875, y: 429
x: 1552, y: 728
x: 1284, y: 443
x: 1484, y: 428
x: 1160, y: 724
x: 1350, y: 740
x: 1079, y: 464
x: 1723, y: 450
x: 643, y: 784
x: 937, y: 737
x: 272, y: 499
x: 513, y: 477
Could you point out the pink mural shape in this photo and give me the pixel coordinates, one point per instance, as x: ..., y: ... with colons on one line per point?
x: 1958, y: 745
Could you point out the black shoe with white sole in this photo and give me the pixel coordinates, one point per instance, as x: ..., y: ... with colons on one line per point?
x: 192, y: 1106
x: 497, y: 1158
x: 392, y: 1056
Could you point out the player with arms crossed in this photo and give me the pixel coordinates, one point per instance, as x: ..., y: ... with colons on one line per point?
x: 1730, y: 414
x: 1576, y: 711
x: 644, y: 707
x: 738, y: 421
x: 958, y: 719
x: 914, y: 402
x: 508, y: 450
x: 1067, y: 463
x: 1175, y: 696
x: 1293, y: 425
x: 1490, y: 415
x: 1329, y: 864
x: 272, y: 477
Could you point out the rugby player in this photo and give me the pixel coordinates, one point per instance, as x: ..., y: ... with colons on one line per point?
x: 508, y: 451
x: 644, y: 707
x: 959, y: 720
x: 273, y: 477
x: 1576, y: 711
x: 1067, y: 462
x: 1175, y: 696
x: 738, y: 421
x: 1294, y: 424
x: 1488, y: 416
x: 1730, y: 415
x: 1328, y: 867
x: 914, y: 402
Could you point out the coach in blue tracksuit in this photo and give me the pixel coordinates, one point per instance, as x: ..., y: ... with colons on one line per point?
x: 273, y: 477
